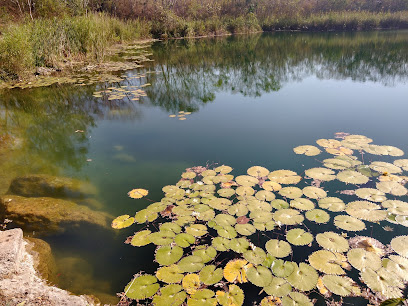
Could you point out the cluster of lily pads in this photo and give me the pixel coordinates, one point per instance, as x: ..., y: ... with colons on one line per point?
x: 133, y: 92
x: 181, y: 115
x: 218, y: 232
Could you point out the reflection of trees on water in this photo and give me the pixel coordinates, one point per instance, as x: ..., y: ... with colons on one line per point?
x: 54, y: 123
x: 195, y: 70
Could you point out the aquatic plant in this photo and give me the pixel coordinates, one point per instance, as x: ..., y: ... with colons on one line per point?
x: 215, y: 232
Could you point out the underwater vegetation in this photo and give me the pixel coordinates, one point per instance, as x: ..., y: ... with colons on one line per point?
x: 220, y: 237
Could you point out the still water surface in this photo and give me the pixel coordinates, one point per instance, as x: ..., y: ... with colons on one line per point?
x: 252, y: 100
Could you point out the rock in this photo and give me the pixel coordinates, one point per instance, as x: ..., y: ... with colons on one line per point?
x: 23, y: 286
x: 10, y: 251
x: 44, y: 262
x: 49, y: 214
x: 41, y: 185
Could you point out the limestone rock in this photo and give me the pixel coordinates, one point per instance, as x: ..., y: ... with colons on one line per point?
x: 10, y: 251
x: 48, y: 214
x: 41, y: 185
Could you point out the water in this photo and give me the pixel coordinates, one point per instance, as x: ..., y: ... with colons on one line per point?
x: 252, y: 98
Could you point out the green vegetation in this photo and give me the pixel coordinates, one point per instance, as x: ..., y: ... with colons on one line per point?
x: 51, y: 33
x: 259, y: 230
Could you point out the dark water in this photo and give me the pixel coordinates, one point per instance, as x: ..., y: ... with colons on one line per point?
x: 252, y: 98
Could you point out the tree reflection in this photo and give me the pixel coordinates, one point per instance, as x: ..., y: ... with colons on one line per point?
x: 193, y: 71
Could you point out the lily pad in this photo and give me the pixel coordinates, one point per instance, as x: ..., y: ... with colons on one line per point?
x: 239, y: 245
x: 393, y: 188
x: 307, y: 150
x: 332, y: 204
x: 384, y: 167
x: 291, y: 192
x: 258, y: 171
x: 366, y: 211
x: 327, y: 262
x: 223, y: 169
x: 332, y: 241
x: 352, y: 177
x: 227, y: 232
x: 191, y: 264
x: 279, y: 204
x: 122, y: 222
x: 340, y: 285
x: 400, y: 245
x: 191, y: 282
x: 278, y: 287
x: 402, y: 163
x: 245, y: 229
x: 170, y: 275
x: 303, y: 278
x: 167, y: 255
x: 162, y: 237
x: 224, y: 220
x: 361, y: 259
x: 221, y: 244
x: 382, y: 281
x: 196, y: 230
x: 298, y: 236
x: 235, y: 296
x: 371, y: 194
x: 328, y: 143
x: 396, y: 207
x: 244, y: 191
x: 202, y: 297
x: 296, y: 299
x: 302, y: 204
x: 235, y: 271
x: 206, y: 253
x: 264, y: 195
x: 288, y: 217
x: 142, y: 287
x: 271, y: 186
x: 337, y: 164
x: 321, y: 174
x: 259, y: 276
x: 138, y: 193
x: 141, y: 238
x: 144, y: 215
x: 246, y: 180
x: 210, y: 275
x: 397, y: 265
x: 278, y: 248
x: 314, y: 192
x: 219, y: 203
x: 283, y: 268
x: 318, y: 216
x: 349, y: 223
x: 286, y: 177
x: 171, y: 293
x: 255, y: 256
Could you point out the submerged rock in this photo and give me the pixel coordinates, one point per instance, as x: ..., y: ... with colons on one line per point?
x: 48, y: 214
x: 41, y: 185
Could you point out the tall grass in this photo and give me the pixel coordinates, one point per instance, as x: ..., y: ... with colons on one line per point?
x: 49, y: 42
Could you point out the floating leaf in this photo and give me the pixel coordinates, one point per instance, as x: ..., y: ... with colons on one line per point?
x: 246, y: 180
x: 296, y: 299
x: 327, y: 262
x: 366, y: 211
x: 259, y: 276
x: 392, y: 187
x: 227, y: 232
x: 138, y: 193
x: 397, y: 265
x: 317, y: 215
x: 219, y: 203
x: 244, y: 191
x: 352, y: 177
x: 288, y: 217
x: 384, y: 167
x: 170, y: 227
x: 191, y: 282
x: 196, y: 230
x: 234, y: 296
x: 257, y: 171
x: 235, y: 271
x: 255, y: 256
x: 202, y: 297
x: 321, y: 174
x: 209, y: 275
x: 284, y: 177
x: 298, y: 236
x: 396, y: 207
x: 371, y: 194
x: 278, y: 287
x: 170, y: 275
x: 223, y: 169
x: 402, y: 163
x: 162, y: 237
x: 167, y: 255
x: 141, y: 238
x: 328, y: 143
x: 271, y: 186
x: 358, y: 139
x: 400, y: 245
x: 349, y: 223
x: 278, y: 248
x: 122, y: 222
x: 314, y: 192
x: 332, y: 242
x: 291, y: 192
x: 245, y: 229
x: 337, y: 164
x: 303, y: 278
x: 142, y: 287
x: 302, y: 204
x: 382, y: 281
x: 144, y: 215
x: 341, y: 285
x: 239, y: 245
x: 171, y: 293
x: 332, y: 204
x: 307, y: 150
x: 283, y: 268
x: 367, y: 243
x: 264, y: 195
x: 206, y: 253
x: 238, y: 209
x: 191, y: 264
x: 224, y: 220
x: 226, y: 192
x: 361, y: 259
x: 279, y: 204
x: 221, y: 244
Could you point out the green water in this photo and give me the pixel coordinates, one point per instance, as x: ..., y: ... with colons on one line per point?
x: 252, y: 100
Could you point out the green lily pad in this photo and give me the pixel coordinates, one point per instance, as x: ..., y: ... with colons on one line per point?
x: 332, y: 241
x: 279, y: 204
x: 393, y: 188
x: 239, y: 245
x: 144, y: 215
x: 184, y: 240
x: 361, y: 259
x: 221, y: 244
x: 349, y: 223
x: 366, y: 211
x: 234, y: 296
x: 246, y: 180
x: 371, y: 194
x: 307, y: 150
x: 167, y: 255
x: 314, y: 192
x: 227, y: 232
x: 224, y: 220
x: 332, y: 204
x: 238, y: 209
x: 352, y: 177
x: 291, y: 192
x: 245, y: 229
x: 284, y: 177
x: 288, y: 217
x: 206, y: 253
x: 169, y: 226
x: 191, y: 264
x: 382, y: 281
x: 171, y: 293
x: 321, y: 174
x: 142, y: 287
x: 303, y: 278
x: 283, y: 268
x: 219, y: 203
x: 337, y: 164
x: 327, y: 262
x: 384, y: 167
x: 400, y: 245
x: 302, y: 204
x: 226, y: 192
x: 264, y: 195
x: 296, y: 299
x: 141, y: 238
x: 278, y: 287
x: 278, y: 248
x: 162, y: 237
x: 340, y: 285
x: 259, y: 276
x: 298, y: 236
x: 223, y: 169
x: 318, y: 216
x: 209, y: 275
x: 396, y: 207
x: 196, y: 230
x: 202, y: 297
x: 170, y: 274
x: 258, y: 171
x: 255, y: 256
